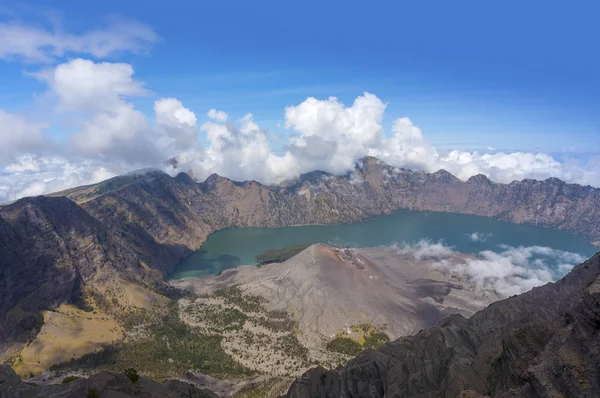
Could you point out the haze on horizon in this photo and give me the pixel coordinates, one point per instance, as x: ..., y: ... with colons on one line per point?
x: 90, y: 92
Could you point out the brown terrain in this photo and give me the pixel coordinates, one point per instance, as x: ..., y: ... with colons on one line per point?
x: 63, y: 253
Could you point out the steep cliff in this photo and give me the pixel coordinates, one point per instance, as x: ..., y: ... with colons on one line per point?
x: 152, y: 210
x: 50, y: 250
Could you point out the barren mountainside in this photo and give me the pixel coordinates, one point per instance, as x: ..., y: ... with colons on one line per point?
x: 328, y: 289
x: 543, y: 343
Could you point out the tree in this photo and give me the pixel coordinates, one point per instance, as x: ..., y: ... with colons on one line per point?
x: 132, y: 375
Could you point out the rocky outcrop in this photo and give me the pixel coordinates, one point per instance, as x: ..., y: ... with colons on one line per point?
x: 103, y: 384
x: 545, y: 342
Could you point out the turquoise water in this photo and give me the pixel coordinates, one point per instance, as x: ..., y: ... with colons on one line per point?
x: 233, y: 247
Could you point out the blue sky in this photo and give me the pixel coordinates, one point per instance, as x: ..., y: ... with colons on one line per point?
x: 473, y: 75
x: 513, y: 75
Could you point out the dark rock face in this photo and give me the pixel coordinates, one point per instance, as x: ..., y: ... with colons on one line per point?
x: 545, y: 342
x: 107, y: 384
x: 50, y: 248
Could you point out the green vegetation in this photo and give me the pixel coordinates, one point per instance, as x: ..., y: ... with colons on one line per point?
x: 225, y: 334
x: 345, y: 345
x: 246, y: 302
x: 376, y: 339
x: 165, y: 347
x: 275, y: 324
x: 256, y: 331
x: 280, y: 255
x: 132, y: 375
x: 92, y: 392
x: 365, y: 336
x: 291, y: 346
x: 218, y: 318
x: 69, y: 379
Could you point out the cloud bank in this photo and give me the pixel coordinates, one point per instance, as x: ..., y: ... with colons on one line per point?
x: 509, y: 271
x: 105, y: 134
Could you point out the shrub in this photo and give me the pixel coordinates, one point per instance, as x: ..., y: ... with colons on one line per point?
x: 92, y: 392
x: 344, y: 345
x: 69, y: 379
x: 132, y: 375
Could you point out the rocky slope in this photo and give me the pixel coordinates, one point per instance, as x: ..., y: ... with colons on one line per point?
x: 51, y: 249
x: 138, y: 226
x: 103, y: 384
x: 545, y: 342
x: 165, y: 217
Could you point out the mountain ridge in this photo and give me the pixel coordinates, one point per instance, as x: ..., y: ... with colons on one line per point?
x: 477, y: 192
x: 155, y: 220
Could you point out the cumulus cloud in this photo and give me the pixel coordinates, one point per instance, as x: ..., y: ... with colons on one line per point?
x: 177, y: 122
x: 326, y: 135
x: 479, y: 236
x: 508, y: 271
x: 19, y: 41
x: 425, y: 249
x: 95, y: 95
x: 216, y: 115
x: 82, y: 84
x: 18, y: 135
x: 31, y: 175
x: 110, y: 135
x: 330, y: 136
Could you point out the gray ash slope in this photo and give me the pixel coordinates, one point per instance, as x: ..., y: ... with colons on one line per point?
x: 543, y: 343
x: 328, y: 289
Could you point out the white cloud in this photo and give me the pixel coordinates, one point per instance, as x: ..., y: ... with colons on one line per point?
x: 35, y: 175
x: 216, y: 115
x: 479, y: 236
x: 18, y: 135
x: 95, y: 95
x: 426, y: 249
x: 38, y: 44
x: 177, y: 123
x: 83, y: 85
x: 325, y: 135
x: 511, y: 270
x: 334, y: 136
